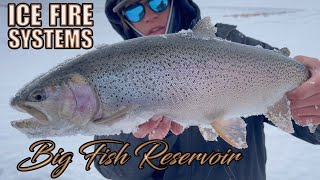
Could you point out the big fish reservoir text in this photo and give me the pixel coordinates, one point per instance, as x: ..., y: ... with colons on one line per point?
x: 153, y: 153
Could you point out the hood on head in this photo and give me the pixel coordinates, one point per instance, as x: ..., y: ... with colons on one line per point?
x: 185, y: 14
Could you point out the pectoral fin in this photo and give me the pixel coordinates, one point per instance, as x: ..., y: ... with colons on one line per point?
x: 280, y: 115
x: 233, y: 131
x: 116, y: 115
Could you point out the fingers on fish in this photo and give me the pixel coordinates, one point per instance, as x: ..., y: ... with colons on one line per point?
x: 162, y: 130
x: 158, y: 128
x: 176, y: 128
x: 146, y: 128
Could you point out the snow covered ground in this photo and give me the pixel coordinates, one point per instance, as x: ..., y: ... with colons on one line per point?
x: 281, y: 23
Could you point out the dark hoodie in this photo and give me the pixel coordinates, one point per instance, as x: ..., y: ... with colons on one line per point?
x: 185, y: 16
x: 251, y: 167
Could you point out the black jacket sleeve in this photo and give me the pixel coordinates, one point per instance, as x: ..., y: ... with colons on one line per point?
x: 303, y: 133
x: 230, y: 32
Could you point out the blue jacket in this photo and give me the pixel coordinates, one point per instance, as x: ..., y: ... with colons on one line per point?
x: 253, y: 164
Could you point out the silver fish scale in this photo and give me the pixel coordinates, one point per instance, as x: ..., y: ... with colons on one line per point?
x: 183, y: 77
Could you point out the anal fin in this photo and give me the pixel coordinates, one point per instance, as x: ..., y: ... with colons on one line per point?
x: 233, y: 131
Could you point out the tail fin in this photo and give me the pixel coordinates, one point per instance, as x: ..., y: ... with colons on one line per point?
x: 279, y: 114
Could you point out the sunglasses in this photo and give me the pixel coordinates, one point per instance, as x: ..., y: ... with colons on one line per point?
x: 135, y: 12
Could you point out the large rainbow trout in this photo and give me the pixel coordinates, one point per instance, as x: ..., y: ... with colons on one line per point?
x: 192, y: 77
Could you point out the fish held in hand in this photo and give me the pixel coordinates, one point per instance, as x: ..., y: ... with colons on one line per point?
x: 192, y: 78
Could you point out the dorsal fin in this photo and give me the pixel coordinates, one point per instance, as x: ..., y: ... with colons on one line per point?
x: 205, y: 29
x: 285, y: 51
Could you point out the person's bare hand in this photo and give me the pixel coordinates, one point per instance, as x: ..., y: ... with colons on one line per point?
x: 158, y: 128
x: 305, y: 99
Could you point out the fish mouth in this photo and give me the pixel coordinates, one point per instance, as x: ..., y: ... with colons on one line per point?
x: 36, y: 114
x: 34, y: 126
x: 30, y: 123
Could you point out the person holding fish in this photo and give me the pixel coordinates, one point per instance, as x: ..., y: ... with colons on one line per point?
x: 136, y: 18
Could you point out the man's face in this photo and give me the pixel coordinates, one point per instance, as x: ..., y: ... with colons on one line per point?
x: 152, y: 22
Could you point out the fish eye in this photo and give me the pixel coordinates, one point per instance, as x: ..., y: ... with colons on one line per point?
x: 38, y: 96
